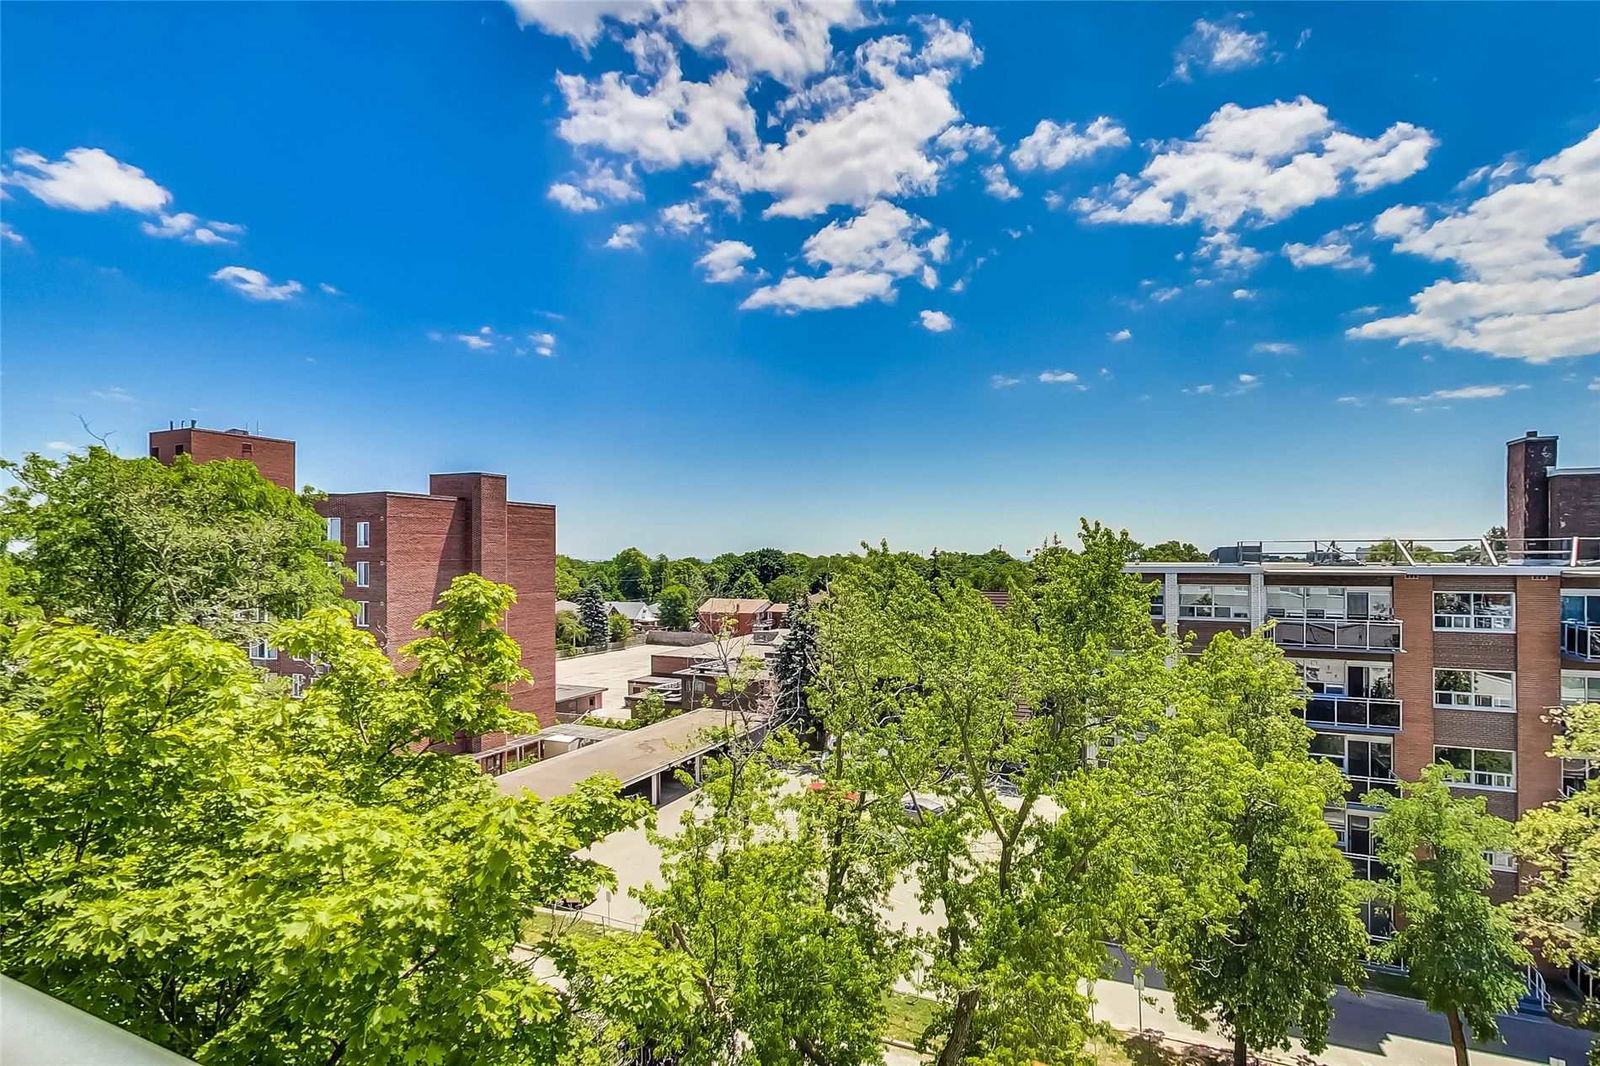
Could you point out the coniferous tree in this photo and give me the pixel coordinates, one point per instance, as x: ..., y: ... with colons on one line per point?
x: 592, y: 613
x: 794, y: 668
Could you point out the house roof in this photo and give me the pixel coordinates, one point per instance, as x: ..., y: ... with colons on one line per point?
x: 727, y: 605
x: 566, y: 605
x: 633, y: 610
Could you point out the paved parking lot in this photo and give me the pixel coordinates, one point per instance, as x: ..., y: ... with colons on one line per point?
x: 612, y: 670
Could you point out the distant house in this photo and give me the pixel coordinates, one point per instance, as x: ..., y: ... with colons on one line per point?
x: 741, y: 617
x: 643, y: 617
x: 566, y: 605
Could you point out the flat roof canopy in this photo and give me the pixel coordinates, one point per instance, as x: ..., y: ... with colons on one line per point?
x: 632, y: 756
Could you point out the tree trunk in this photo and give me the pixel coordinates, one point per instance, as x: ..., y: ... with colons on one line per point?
x: 1241, y: 1051
x: 1458, y: 1037
x: 955, y: 1046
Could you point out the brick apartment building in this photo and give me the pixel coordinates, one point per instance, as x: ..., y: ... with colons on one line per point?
x: 404, y: 548
x: 1436, y: 656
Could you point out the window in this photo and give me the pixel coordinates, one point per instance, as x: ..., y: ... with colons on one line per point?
x: 1329, y: 601
x: 1485, y: 690
x: 1493, y: 611
x: 1503, y: 861
x: 261, y: 651
x: 178, y: 449
x: 363, y: 534
x: 361, y: 612
x: 1158, y: 598
x: 1364, y: 760
x: 297, y: 685
x: 1214, y: 601
x: 1334, y: 677
x: 1579, y: 688
x: 1482, y: 767
x: 155, y: 453
x: 336, y: 529
x: 247, y: 449
x: 1582, y: 607
x: 363, y: 574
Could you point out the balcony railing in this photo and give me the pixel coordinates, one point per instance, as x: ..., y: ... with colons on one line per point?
x: 1581, y: 640
x: 1356, y: 712
x: 1360, y: 786
x: 1337, y: 634
x: 1366, y: 867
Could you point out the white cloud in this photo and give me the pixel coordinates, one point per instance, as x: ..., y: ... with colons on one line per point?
x: 479, y: 341
x: 1003, y: 381
x: 85, y: 179
x: 114, y: 394
x: 1161, y: 296
x: 625, y: 236
x: 188, y: 228
x: 843, y: 289
x: 544, y: 344
x: 572, y: 198
x: 864, y: 256
x: 788, y: 39
x: 581, y: 20
x: 1216, y: 47
x: 996, y: 184
x: 1201, y: 390
x: 10, y: 235
x: 961, y: 140
x: 1244, y: 294
x: 1521, y: 251
x: 1120, y: 335
x: 329, y: 289
x: 1051, y: 146
x: 685, y: 217
x: 1594, y: 386
x: 1246, y: 382
x: 1058, y: 377
x: 1273, y: 348
x: 1468, y: 392
x: 724, y: 261
x: 1332, y: 250
x: 255, y: 285
x: 936, y: 321
x: 1223, y: 250
x: 60, y: 446
x: 600, y: 184
x: 1257, y: 164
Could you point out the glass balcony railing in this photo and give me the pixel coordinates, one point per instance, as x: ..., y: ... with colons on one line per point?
x: 1360, y: 786
x: 1581, y: 640
x: 1366, y: 867
x: 1337, y: 634
x: 1357, y: 712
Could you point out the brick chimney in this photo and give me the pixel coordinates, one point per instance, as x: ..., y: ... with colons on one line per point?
x: 485, y: 496
x: 1528, y: 461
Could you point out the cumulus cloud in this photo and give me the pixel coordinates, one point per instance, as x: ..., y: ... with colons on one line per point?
x: 1120, y: 335
x: 544, y: 344
x: 1223, y: 250
x: 799, y: 293
x: 864, y: 256
x: 601, y: 184
x: 788, y: 39
x: 997, y: 184
x: 1058, y: 377
x: 1520, y: 251
x: 724, y: 261
x: 1244, y: 294
x: 1273, y: 348
x: 936, y: 321
x: 255, y: 285
x: 1468, y: 392
x: 1331, y: 251
x: 1258, y: 164
x: 10, y: 235
x: 962, y: 140
x: 1217, y: 47
x: 580, y: 20
x: 1052, y: 146
x: 683, y: 218
x: 1003, y: 381
x: 625, y: 236
x: 85, y: 179
x: 188, y: 228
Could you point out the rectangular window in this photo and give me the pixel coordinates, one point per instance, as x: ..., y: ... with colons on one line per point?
x: 1484, y: 690
x: 363, y: 574
x: 363, y: 534
x: 1503, y: 861
x: 1335, y: 677
x: 1214, y: 601
x: 1580, y: 606
x: 1579, y: 687
x: 1329, y: 601
x: 1481, y: 767
x: 297, y: 685
x: 1158, y: 599
x: 1483, y: 611
x: 1364, y: 760
x: 336, y: 529
x: 361, y: 612
x: 261, y: 651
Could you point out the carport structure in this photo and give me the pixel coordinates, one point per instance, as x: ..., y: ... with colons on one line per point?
x: 647, y: 756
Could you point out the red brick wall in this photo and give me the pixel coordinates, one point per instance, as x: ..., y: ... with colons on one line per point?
x: 1413, y: 675
x: 273, y: 457
x: 530, y: 568
x: 1538, y: 689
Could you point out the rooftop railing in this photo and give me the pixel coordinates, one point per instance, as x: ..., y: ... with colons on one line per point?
x: 1435, y: 551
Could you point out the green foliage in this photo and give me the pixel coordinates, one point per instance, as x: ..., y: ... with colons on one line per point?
x: 130, y: 545
x: 794, y: 670
x: 251, y: 879
x: 747, y: 587
x: 785, y: 588
x: 632, y: 568
x: 569, y: 631
x: 650, y: 709
x: 618, y: 628
x: 1171, y: 551
x: 1116, y: 787
x: 593, y: 614
x: 676, y: 605
x: 1460, y: 948
x: 1271, y: 966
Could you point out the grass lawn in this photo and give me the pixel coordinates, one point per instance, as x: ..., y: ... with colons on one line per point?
x: 540, y: 925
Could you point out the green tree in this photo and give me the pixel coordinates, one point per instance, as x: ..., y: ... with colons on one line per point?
x: 1461, y: 949
x: 618, y: 628
x: 794, y: 670
x: 593, y: 614
x: 677, y: 607
x: 1558, y: 910
x: 130, y: 545
x: 570, y: 632
x: 251, y: 879
x: 632, y: 568
x: 568, y: 578
x: 689, y: 574
x: 748, y: 587
x: 1115, y: 794
x: 785, y: 588
x: 1171, y: 551
x: 1271, y: 966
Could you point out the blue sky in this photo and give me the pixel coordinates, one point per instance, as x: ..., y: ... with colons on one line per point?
x: 713, y: 278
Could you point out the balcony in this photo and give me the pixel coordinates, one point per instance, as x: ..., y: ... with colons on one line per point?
x: 1366, y: 867
x: 1337, y: 634
x: 1360, y: 786
x: 1354, y: 712
x: 1581, y: 640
